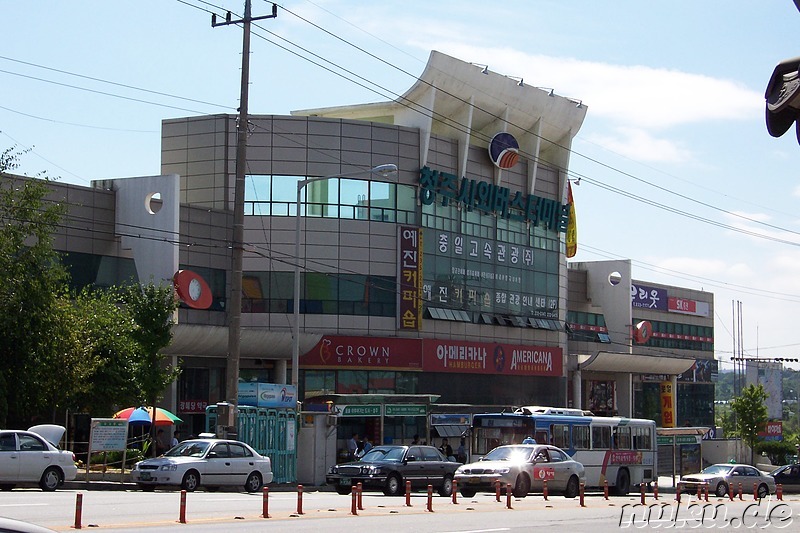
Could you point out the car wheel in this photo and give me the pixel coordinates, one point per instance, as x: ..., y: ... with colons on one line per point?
x: 446, y: 489
x: 522, y: 487
x: 147, y: 488
x: 467, y: 493
x: 763, y: 491
x: 572, y: 487
x: 393, y: 484
x: 344, y: 490
x: 623, y: 486
x: 191, y: 480
x: 253, y: 482
x: 722, y: 489
x: 51, y: 479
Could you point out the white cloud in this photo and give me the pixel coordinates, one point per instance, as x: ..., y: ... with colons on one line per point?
x: 640, y: 145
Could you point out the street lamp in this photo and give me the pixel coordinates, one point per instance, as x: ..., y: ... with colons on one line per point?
x: 382, y: 171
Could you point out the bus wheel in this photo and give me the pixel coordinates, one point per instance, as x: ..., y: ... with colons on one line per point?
x: 623, y: 482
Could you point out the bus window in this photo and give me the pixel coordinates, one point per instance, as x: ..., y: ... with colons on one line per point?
x: 622, y: 438
x: 601, y: 437
x: 642, y: 439
x: 560, y: 434
x: 541, y: 437
x: 580, y: 437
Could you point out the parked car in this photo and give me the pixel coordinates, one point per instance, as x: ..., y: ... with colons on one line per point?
x: 523, y: 466
x: 33, y: 456
x: 209, y: 462
x: 788, y: 476
x: 722, y: 476
x: 387, y: 468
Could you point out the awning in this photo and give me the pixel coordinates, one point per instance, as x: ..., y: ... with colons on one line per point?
x: 450, y: 430
x: 635, y: 363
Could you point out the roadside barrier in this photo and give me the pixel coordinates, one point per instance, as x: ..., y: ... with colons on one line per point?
x: 360, y: 489
x: 779, y: 491
x: 353, y: 498
x: 182, y: 515
x: 544, y: 489
x: 740, y: 491
x: 655, y: 490
x: 78, y: 510
x: 730, y: 491
x: 699, y: 492
x: 582, y: 490
x: 755, y: 491
x: 508, y: 496
x: 641, y: 492
x: 455, y: 492
x: 430, y: 498
x: 408, y: 494
x: 497, y: 490
x: 299, y: 499
x: 605, y: 489
x: 705, y: 491
x: 678, y: 493
x: 265, y: 503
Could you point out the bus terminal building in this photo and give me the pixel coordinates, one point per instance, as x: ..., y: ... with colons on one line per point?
x: 449, y: 278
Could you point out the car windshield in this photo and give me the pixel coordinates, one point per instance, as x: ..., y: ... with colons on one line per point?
x: 384, y: 454
x: 509, y: 453
x: 717, y: 469
x: 189, y: 448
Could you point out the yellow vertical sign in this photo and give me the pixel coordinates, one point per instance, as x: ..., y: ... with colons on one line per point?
x: 667, y: 413
x: 572, y: 224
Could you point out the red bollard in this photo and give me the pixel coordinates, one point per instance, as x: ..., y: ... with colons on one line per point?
x: 497, y: 490
x: 730, y: 492
x: 544, y: 489
x: 678, y: 493
x: 455, y: 491
x: 408, y: 494
x: 740, y: 491
x: 779, y: 491
x: 642, y: 494
x: 182, y: 518
x: 78, y: 510
x: 583, y: 487
x: 265, y: 504
x: 360, y: 490
x: 299, y: 499
x: 705, y: 491
x: 508, y: 496
x: 755, y: 491
x: 655, y: 489
x: 699, y: 492
x: 605, y: 489
x: 430, y: 498
x: 353, y: 498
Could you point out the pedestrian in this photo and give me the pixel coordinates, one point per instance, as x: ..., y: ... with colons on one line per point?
x: 352, y: 447
x: 415, y: 440
x: 446, y: 449
x: 461, y: 452
x: 367, y: 446
x: 162, y: 442
x: 175, y: 438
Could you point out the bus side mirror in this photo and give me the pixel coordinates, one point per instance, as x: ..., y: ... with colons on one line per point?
x: 783, y: 98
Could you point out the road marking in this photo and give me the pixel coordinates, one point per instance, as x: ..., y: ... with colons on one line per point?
x: 479, y: 530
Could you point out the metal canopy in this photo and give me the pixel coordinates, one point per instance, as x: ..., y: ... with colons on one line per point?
x: 635, y: 363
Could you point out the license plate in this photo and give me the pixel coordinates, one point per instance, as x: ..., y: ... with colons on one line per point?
x: 145, y: 476
x: 474, y: 480
x: 345, y: 481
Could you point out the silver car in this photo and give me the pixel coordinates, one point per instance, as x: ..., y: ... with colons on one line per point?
x: 208, y: 462
x: 524, y: 467
x: 721, y: 477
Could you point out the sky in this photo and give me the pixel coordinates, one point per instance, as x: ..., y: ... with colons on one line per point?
x: 678, y: 173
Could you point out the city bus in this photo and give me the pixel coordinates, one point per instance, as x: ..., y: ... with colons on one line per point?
x: 621, y: 451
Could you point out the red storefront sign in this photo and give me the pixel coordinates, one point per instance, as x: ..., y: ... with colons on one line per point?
x: 367, y: 353
x: 490, y: 358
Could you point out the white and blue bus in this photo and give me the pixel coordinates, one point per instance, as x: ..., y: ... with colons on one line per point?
x: 621, y: 451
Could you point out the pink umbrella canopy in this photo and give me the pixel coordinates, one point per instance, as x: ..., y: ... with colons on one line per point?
x: 144, y: 415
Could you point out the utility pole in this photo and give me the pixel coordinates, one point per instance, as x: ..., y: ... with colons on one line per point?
x: 237, y: 246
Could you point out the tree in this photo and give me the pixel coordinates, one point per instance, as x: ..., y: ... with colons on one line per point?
x: 751, y: 414
x: 31, y: 277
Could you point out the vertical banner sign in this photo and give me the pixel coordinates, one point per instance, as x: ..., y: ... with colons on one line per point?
x: 410, y: 274
x: 572, y: 224
x: 667, y: 414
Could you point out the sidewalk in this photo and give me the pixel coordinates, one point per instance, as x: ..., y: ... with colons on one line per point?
x: 114, y: 480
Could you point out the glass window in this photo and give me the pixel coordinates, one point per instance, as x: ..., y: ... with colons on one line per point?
x: 560, y: 434
x: 352, y: 382
x: 601, y: 438
x: 28, y: 443
x: 284, y: 189
x: 622, y: 438
x: 580, y: 437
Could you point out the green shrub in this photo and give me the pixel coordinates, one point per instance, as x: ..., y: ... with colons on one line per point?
x: 777, y: 451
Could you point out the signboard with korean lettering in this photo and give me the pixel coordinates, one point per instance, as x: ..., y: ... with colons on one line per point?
x: 667, y: 412
x: 686, y: 306
x: 357, y: 410
x: 108, y: 434
x: 648, y: 297
x: 773, y: 430
x: 491, y: 358
x: 482, y: 274
x: 192, y: 407
x: 406, y: 410
x: 409, y: 266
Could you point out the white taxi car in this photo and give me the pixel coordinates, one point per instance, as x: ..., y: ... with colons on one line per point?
x: 33, y: 456
x: 209, y: 462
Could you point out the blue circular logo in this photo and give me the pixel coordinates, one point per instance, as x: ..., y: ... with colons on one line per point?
x: 504, y: 150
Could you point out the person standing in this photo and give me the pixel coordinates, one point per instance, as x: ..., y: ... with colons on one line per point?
x: 461, y: 451
x: 415, y: 440
x: 446, y: 449
x: 352, y: 447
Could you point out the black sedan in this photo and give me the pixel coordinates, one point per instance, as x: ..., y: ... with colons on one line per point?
x: 788, y: 476
x: 387, y: 468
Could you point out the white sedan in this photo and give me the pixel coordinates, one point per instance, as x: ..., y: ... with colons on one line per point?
x: 33, y: 456
x: 211, y: 463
